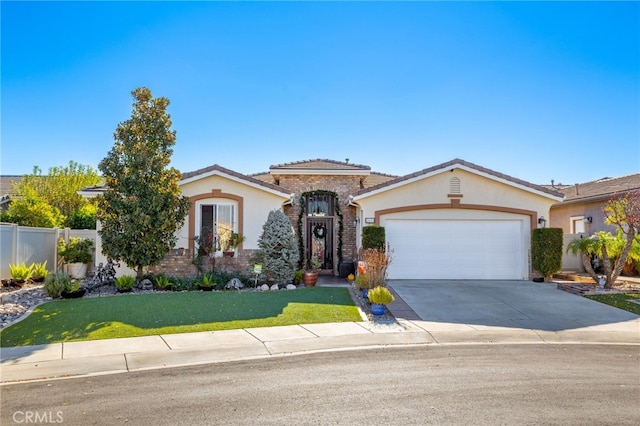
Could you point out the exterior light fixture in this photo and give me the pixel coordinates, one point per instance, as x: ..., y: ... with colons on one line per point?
x: 542, y: 221
x: 588, y: 219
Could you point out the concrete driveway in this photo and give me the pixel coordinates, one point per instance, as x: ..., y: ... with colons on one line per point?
x: 513, y: 304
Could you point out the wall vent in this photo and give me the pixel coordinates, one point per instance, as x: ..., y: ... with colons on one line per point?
x: 454, y: 185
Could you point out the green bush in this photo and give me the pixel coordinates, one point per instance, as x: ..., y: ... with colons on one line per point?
x: 21, y: 272
x: 40, y: 271
x: 380, y: 296
x: 207, y: 280
x: 85, y: 218
x: 162, y: 282
x: 546, y: 251
x: 373, y: 236
x: 55, y: 284
x: 362, y: 281
x: 71, y: 286
x: 125, y: 282
x: 184, y: 284
x: 77, y: 250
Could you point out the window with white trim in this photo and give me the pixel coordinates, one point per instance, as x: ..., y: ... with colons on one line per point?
x: 577, y: 224
x: 217, y: 221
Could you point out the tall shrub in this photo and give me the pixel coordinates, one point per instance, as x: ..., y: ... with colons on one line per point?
x: 278, y: 250
x: 143, y: 206
x: 373, y: 236
x: 376, y: 262
x: 546, y: 251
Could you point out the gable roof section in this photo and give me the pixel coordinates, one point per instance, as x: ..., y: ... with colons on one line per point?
x: 601, y: 189
x: 458, y: 164
x: 217, y: 170
x: 320, y: 167
x: 376, y: 178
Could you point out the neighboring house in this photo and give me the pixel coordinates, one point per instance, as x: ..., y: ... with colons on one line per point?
x: 455, y: 220
x: 580, y: 214
x: 6, y: 190
x: 581, y: 210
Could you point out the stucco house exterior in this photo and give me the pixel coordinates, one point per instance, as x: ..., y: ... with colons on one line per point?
x: 580, y: 214
x: 581, y: 210
x: 455, y: 220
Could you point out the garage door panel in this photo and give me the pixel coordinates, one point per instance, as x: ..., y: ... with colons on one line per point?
x: 455, y: 249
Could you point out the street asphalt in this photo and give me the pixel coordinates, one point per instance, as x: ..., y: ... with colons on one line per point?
x: 426, y: 313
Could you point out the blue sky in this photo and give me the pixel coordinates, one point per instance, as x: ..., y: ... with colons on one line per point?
x: 535, y: 90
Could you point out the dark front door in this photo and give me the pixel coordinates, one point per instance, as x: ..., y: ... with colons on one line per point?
x: 319, y: 240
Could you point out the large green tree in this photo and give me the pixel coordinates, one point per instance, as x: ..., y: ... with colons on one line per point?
x: 142, y: 207
x: 52, y: 200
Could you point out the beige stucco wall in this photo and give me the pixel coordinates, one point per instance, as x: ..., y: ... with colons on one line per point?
x: 562, y: 214
x: 474, y: 189
x: 257, y: 203
x: 479, y: 198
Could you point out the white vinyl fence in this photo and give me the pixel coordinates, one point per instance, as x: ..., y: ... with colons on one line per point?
x: 35, y: 245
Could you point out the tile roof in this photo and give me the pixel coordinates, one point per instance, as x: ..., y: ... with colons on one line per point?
x: 467, y: 164
x: 5, y: 184
x: 376, y: 178
x: 320, y: 164
x: 603, y: 188
x: 240, y: 176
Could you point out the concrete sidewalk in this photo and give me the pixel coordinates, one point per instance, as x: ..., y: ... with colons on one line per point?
x: 75, y: 359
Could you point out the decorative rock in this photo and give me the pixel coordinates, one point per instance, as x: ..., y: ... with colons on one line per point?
x: 234, y: 284
x: 275, y: 287
x: 16, y: 304
x: 146, y: 284
x: 264, y: 287
x: 291, y: 287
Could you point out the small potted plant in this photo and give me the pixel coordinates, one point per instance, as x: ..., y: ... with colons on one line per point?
x: 310, y: 276
x: 362, y: 283
x: 72, y: 288
x: 297, y: 277
x: 379, y: 297
x: 234, y: 241
x: 125, y: 283
x: 76, y: 254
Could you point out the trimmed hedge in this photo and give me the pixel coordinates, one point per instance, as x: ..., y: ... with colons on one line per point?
x: 546, y: 251
x: 373, y: 236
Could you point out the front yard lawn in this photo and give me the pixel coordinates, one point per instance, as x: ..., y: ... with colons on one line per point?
x: 619, y: 300
x: 151, y: 314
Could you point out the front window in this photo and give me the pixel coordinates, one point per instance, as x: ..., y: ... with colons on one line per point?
x: 217, y: 223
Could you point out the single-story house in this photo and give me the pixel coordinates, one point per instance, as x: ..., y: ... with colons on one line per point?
x: 455, y: 220
x: 580, y: 214
x: 581, y: 210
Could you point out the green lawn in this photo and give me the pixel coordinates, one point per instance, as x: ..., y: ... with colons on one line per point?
x: 168, y: 313
x: 619, y: 300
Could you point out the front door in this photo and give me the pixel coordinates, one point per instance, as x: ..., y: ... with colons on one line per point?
x: 320, y: 240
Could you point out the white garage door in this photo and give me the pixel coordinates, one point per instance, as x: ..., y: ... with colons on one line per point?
x: 455, y: 249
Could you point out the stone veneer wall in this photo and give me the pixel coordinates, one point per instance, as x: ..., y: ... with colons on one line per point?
x: 179, y: 263
x: 343, y: 186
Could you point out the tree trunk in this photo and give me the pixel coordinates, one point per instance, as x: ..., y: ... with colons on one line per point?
x: 613, y: 274
x: 139, y: 273
x: 586, y: 263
